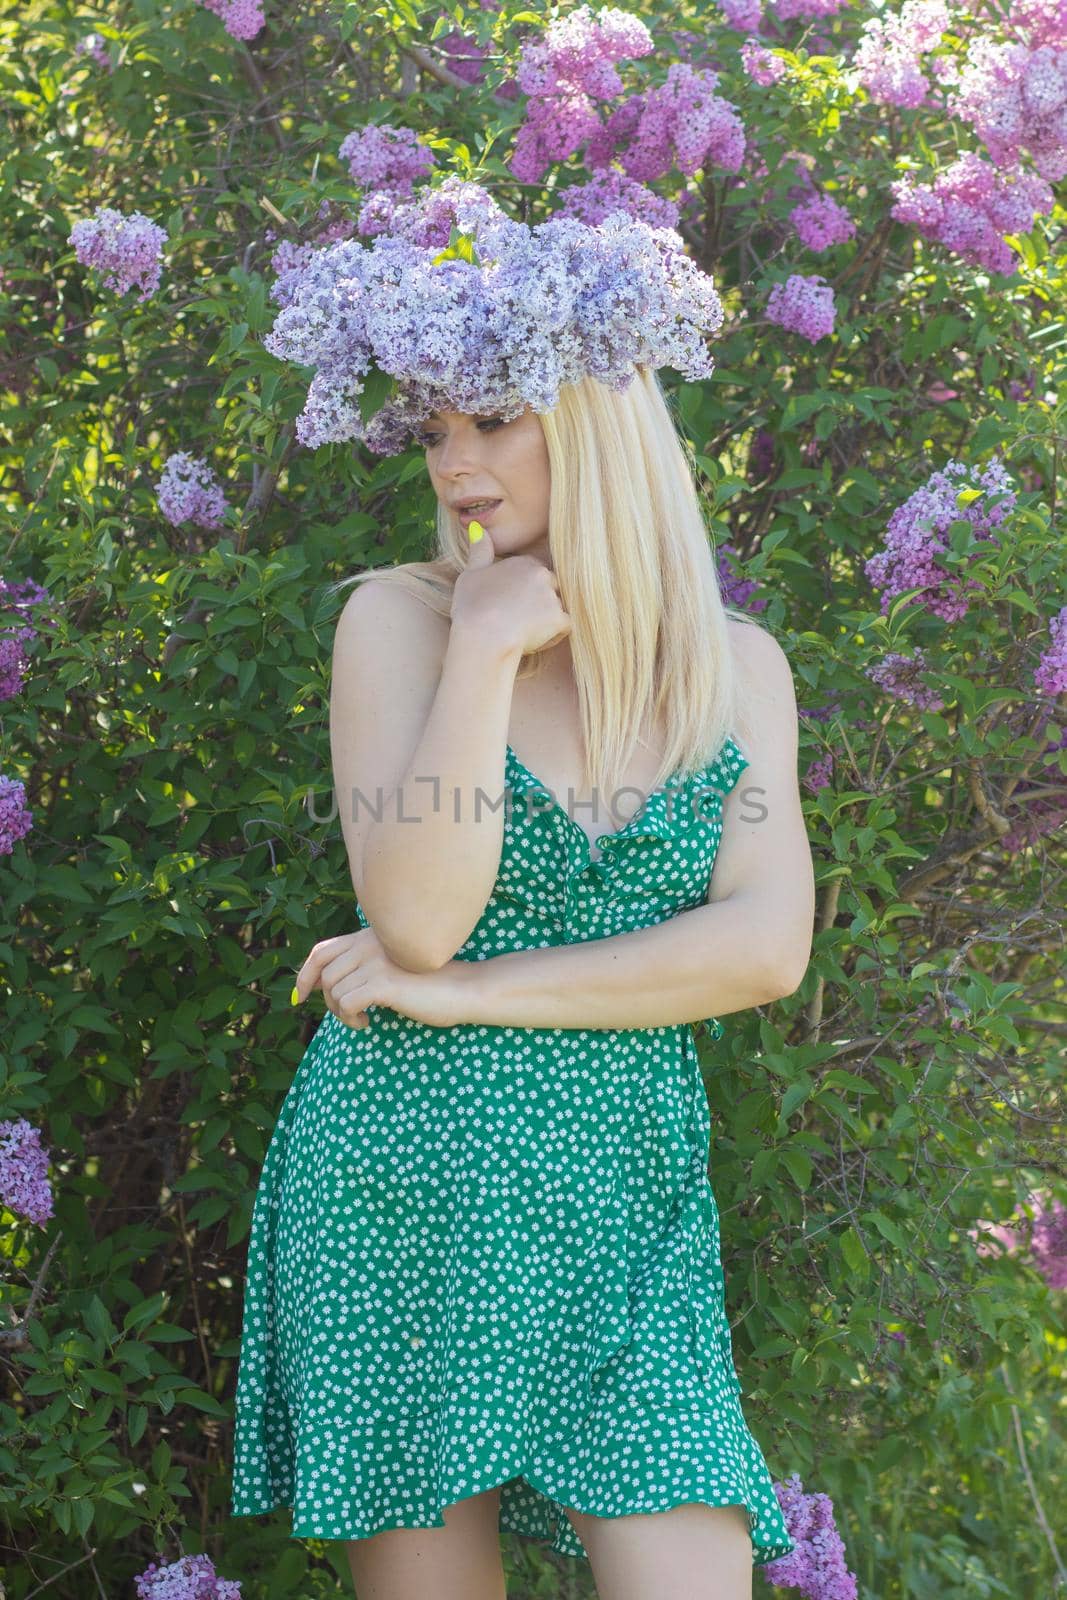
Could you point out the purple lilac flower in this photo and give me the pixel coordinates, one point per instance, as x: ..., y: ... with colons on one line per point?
x: 290, y: 258
x: 761, y: 64
x: 969, y: 208
x: 610, y: 191
x: 563, y: 73
x: 817, y: 1566
x: 24, y: 1185
x: 17, y: 597
x: 466, y: 56
x: 242, y: 19
x: 735, y: 590
x: 539, y: 307
x: 887, y: 59
x: 784, y: 10
x: 1048, y: 1244
x: 428, y: 218
x: 127, y: 250
x: 820, y: 773
x: 683, y: 122
x: 15, y: 820
x: 900, y: 676
x: 1051, y: 674
x: 761, y: 454
x: 743, y: 15
x: 916, y: 538
x: 95, y: 47
x: 822, y: 222
x: 804, y: 305
x: 189, y: 491
x: 1041, y: 21
x: 381, y: 157
x: 1015, y: 99
x: 189, y: 1578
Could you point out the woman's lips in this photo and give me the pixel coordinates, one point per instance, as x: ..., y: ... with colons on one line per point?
x: 482, y: 513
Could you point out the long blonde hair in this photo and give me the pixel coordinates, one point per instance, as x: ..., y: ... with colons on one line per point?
x: 637, y: 576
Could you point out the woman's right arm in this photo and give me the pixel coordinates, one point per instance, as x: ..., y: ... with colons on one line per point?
x: 423, y: 873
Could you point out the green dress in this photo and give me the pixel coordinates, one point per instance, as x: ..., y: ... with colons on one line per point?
x: 490, y: 1255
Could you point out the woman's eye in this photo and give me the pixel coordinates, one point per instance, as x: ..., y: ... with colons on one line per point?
x: 427, y: 440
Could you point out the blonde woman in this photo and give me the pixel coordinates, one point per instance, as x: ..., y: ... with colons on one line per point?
x: 484, y: 1286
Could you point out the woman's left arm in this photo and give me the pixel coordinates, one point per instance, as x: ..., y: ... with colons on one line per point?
x: 750, y: 944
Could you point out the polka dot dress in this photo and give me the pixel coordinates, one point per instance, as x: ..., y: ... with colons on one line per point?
x: 490, y: 1255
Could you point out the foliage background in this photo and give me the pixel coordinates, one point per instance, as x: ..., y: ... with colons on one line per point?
x: 172, y: 736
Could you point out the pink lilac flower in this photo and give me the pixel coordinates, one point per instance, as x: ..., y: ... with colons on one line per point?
x: 803, y: 305
x: 784, y: 10
x: 683, y: 122
x: 1051, y: 674
x: 969, y: 208
x: 939, y: 392
x: 466, y: 56
x: 95, y: 47
x: 1015, y: 99
x: 1039, y: 21
x: 900, y: 676
x: 24, y: 1185
x: 887, y: 59
x: 127, y: 250
x: 743, y: 15
x: 817, y: 1566
x: 609, y: 191
x: 563, y: 73
x: 242, y: 19
x: 189, y: 491
x: 917, y: 537
x: 822, y: 222
x: 15, y: 820
x: 761, y: 64
x: 381, y: 157
x: 189, y: 1578
x: 1048, y: 1244
x: 537, y: 307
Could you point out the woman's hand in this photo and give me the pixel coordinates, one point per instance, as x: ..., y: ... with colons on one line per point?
x: 355, y: 973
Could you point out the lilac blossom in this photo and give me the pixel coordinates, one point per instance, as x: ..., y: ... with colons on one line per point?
x: 572, y: 65
x: 683, y: 122
x: 381, y: 157
x: 188, y: 1578
x: 900, y: 676
x: 14, y: 659
x: 189, y: 491
x: 917, y: 537
x: 427, y: 219
x: 742, y: 15
x: 817, y: 1566
x: 466, y: 57
x: 969, y: 208
x: 887, y: 60
x: 1048, y: 1244
x: 784, y: 10
x: 736, y: 590
x: 242, y: 19
x: 803, y: 305
x: 609, y: 191
x: 761, y: 64
x: 819, y: 775
x: 822, y: 222
x: 536, y: 308
x: 24, y: 1185
x: 95, y: 47
x: 1041, y: 21
x: 1051, y: 674
x: 1015, y: 99
x: 127, y: 250
x: 15, y: 820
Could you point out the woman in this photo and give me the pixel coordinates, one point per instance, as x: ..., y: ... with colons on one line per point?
x: 484, y: 1285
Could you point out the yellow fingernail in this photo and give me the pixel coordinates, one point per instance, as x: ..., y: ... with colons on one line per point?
x: 294, y: 998
x: 475, y: 531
